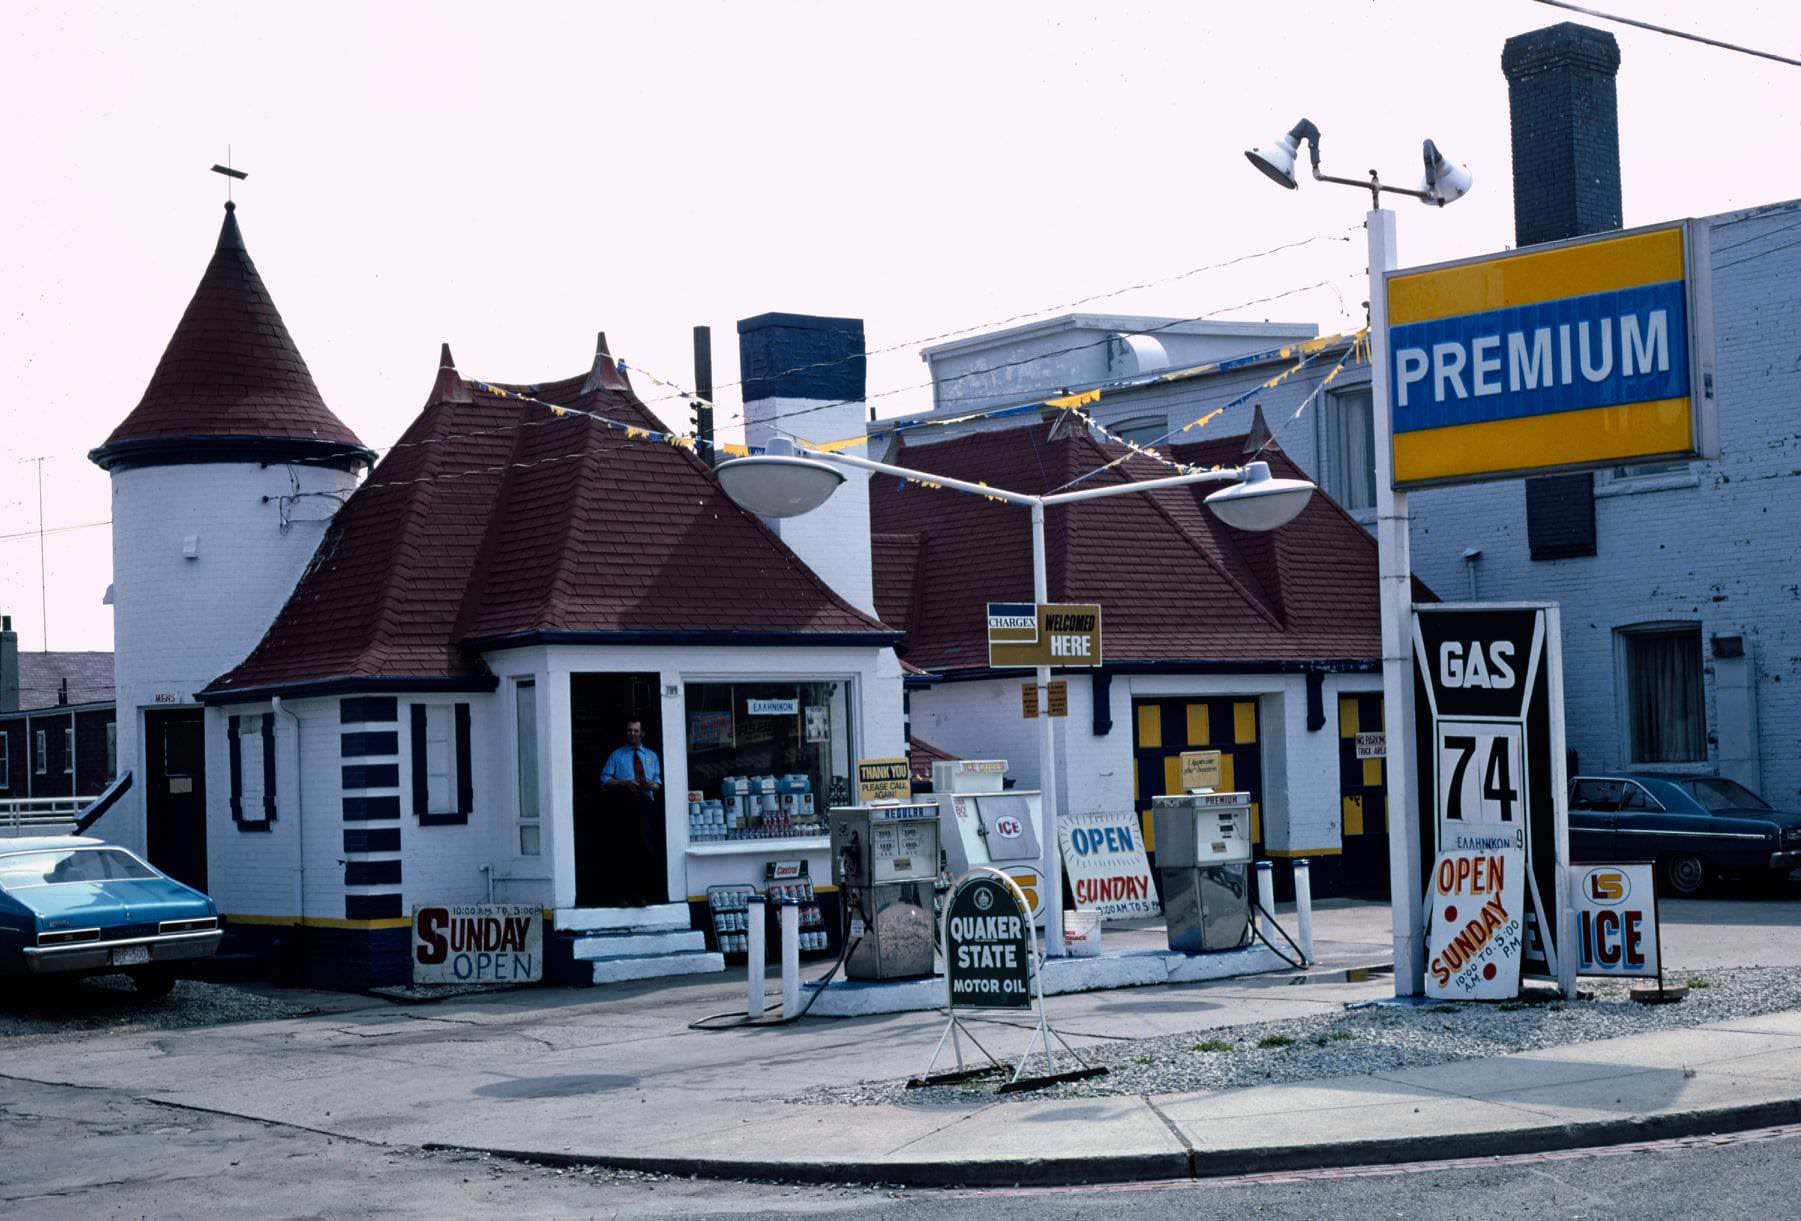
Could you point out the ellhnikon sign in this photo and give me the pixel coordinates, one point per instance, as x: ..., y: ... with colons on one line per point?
x: 1568, y: 356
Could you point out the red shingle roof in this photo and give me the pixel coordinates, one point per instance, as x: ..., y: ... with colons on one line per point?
x: 493, y: 519
x: 1174, y: 583
x: 231, y: 373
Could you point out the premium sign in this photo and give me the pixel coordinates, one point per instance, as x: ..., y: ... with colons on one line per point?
x: 1569, y: 356
x: 1488, y: 690
x: 478, y: 944
x: 1475, y: 933
x: 884, y: 780
x: 1043, y: 634
x: 987, y: 944
x: 1616, y: 920
x: 1104, y: 859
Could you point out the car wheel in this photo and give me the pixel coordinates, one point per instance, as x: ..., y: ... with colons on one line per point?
x: 1685, y: 875
x: 153, y: 981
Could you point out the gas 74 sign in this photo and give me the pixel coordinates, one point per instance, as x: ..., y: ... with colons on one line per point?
x: 1488, y: 695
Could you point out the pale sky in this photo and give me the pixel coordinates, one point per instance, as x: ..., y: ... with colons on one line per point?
x: 512, y: 178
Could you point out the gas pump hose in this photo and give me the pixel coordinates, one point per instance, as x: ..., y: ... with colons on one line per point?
x: 744, y: 1019
x: 1299, y: 959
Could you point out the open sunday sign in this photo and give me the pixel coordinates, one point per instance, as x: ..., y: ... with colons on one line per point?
x: 1566, y: 356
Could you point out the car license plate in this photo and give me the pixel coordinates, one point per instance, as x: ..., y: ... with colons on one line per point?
x: 131, y: 955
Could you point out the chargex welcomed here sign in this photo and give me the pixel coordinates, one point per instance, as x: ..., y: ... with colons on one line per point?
x: 1566, y: 356
x: 1043, y: 634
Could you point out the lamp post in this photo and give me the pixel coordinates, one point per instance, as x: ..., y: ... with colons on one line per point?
x: 783, y: 483
x: 1444, y: 182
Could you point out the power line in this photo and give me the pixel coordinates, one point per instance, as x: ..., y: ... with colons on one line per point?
x: 86, y: 525
x: 1664, y: 29
x: 1048, y: 309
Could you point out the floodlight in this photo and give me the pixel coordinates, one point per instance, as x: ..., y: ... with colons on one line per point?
x: 1277, y: 160
x: 1260, y: 501
x: 777, y: 483
x: 1445, y: 180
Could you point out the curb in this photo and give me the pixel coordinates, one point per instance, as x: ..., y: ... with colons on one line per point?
x: 1194, y: 1164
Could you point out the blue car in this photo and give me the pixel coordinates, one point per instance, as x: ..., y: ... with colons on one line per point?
x: 1695, y: 827
x: 72, y: 906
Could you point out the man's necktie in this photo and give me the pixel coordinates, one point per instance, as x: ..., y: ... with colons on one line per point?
x: 637, y: 766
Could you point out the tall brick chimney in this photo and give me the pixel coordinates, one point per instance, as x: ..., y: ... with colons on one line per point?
x: 9, y: 665
x: 1566, y: 134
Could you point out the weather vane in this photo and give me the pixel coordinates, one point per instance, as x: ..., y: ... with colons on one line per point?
x: 229, y: 173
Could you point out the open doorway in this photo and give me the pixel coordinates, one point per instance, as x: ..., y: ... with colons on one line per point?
x: 175, y: 793
x: 621, y: 847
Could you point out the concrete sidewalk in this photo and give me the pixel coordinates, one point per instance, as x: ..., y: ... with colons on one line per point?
x: 617, y: 1077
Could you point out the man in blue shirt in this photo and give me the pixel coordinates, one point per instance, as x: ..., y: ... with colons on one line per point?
x: 632, y: 832
x: 633, y: 767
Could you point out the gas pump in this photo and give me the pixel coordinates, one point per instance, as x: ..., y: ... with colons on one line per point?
x: 885, y: 861
x: 1203, y: 864
x: 984, y: 823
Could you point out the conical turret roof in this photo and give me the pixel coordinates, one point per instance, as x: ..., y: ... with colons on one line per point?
x: 231, y: 385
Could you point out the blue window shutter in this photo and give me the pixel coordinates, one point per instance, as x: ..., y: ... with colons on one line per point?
x: 269, y: 765
x: 420, y: 803
x: 237, y: 768
x: 465, y: 776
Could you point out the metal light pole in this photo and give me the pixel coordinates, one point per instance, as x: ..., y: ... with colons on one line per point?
x: 1394, y: 582
x: 751, y: 480
x: 1445, y: 181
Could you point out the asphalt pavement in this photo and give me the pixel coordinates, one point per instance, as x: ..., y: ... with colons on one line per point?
x: 617, y: 1078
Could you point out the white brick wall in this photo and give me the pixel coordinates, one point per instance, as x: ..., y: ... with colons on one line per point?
x: 833, y: 540
x: 1721, y: 549
x: 179, y: 623
x: 1301, y: 810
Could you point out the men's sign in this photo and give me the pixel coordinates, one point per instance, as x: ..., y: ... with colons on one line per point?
x: 1475, y: 931
x: 1488, y: 692
x: 1616, y: 920
x: 1108, y: 871
x: 1043, y: 634
x: 884, y: 780
x: 1569, y: 356
x: 478, y: 944
x: 987, y: 943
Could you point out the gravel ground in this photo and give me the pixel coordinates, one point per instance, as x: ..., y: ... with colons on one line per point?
x: 1369, y: 1040
x: 66, y: 1010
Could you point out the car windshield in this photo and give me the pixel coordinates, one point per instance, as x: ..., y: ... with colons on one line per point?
x: 1716, y: 793
x: 22, y: 869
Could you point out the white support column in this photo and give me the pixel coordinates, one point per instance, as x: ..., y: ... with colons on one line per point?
x: 1395, y: 583
x: 559, y: 820
x: 756, y: 920
x: 1047, y: 762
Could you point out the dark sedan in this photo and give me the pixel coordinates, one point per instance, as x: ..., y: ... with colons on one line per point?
x: 1694, y: 827
x: 70, y: 905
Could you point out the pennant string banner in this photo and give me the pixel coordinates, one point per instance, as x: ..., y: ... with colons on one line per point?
x: 1302, y: 355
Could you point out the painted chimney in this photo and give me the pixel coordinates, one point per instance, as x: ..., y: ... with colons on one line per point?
x: 1566, y: 132
x: 9, y: 665
x: 804, y: 375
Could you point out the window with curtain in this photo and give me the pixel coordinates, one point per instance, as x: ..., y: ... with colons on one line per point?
x: 1351, y: 449
x: 525, y: 744
x: 1666, y: 701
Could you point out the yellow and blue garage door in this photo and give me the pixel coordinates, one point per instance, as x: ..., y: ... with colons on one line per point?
x: 1165, y: 727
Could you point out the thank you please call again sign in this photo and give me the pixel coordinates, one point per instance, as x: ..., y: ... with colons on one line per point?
x: 1043, y: 634
x: 1561, y: 357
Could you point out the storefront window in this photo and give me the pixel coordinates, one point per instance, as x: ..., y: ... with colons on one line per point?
x: 766, y: 760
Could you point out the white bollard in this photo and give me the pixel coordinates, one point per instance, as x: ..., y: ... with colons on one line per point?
x: 757, y: 920
x: 1266, y: 899
x: 790, y: 958
x: 1303, y: 905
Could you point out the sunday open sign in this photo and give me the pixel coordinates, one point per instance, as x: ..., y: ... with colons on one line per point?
x: 1474, y: 938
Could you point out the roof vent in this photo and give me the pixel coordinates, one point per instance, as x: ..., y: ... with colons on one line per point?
x: 1130, y: 355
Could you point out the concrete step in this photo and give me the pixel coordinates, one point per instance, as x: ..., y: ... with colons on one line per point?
x: 598, y: 946
x: 660, y: 916
x: 655, y: 966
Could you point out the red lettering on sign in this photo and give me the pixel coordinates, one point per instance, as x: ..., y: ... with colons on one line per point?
x: 431, y: 922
